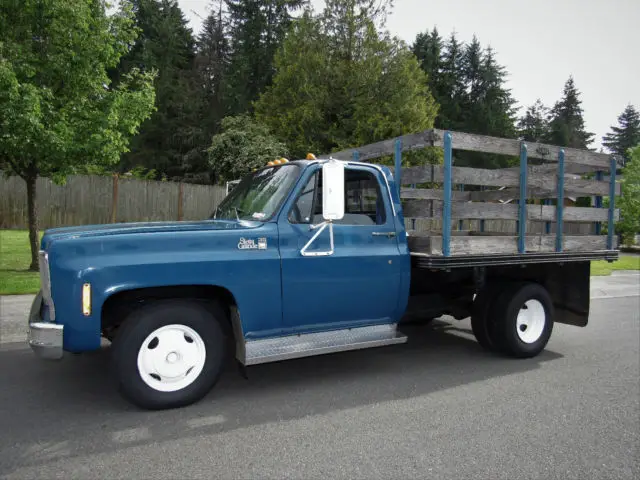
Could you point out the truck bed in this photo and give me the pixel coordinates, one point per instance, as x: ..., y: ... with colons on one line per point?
x: 526, y: 213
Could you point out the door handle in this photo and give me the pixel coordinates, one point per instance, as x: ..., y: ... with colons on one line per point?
x: 384, y: 234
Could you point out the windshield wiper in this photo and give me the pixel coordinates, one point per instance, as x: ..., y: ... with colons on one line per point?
x: 238, y: 210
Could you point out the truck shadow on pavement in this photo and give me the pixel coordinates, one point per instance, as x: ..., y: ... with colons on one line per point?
x: 51, y: 411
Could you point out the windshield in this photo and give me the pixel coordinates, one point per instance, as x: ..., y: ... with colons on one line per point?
x: 259, y: 195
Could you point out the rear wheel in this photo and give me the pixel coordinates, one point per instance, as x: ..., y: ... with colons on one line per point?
x: 522, y: 318
x: 169, y: 353
x: 480, y: 316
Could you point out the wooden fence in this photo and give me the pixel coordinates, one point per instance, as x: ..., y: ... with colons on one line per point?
x: 86, y: 200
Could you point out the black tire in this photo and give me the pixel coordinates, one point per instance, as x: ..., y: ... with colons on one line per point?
x: 480, y: 316
x: 129, y: 340
x: 504, y: 317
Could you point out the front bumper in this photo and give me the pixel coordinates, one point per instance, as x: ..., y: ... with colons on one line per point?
x: 45, y: 338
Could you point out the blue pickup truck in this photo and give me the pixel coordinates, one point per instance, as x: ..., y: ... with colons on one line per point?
x: 301, y: 258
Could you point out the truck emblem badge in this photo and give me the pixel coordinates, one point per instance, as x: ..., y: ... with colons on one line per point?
x: 250, y: 244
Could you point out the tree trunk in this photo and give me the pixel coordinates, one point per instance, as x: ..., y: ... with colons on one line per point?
x: 33, y: 221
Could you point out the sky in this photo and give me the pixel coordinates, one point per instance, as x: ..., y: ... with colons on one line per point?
x: 540, y: 46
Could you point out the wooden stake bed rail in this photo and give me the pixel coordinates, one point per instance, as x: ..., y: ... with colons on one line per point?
x: 526, y: 193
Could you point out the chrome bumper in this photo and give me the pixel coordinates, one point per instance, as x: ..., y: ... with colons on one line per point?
x: 45, y: 339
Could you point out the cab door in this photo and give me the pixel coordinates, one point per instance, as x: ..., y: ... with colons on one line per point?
x: 359, y: 283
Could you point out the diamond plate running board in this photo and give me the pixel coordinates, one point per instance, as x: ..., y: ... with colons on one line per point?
x: 310, y: 344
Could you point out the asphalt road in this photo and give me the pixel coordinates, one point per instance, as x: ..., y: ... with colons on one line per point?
x: 438, y: 407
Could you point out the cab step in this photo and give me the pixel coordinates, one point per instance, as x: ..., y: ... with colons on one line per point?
x: 320, y: 343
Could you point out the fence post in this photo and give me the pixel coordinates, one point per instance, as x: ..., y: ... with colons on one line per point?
x: 560, y: 203
x: 180, y: 200
x: 114, y: 199
x: 522, y: 213
x: 446, y: 208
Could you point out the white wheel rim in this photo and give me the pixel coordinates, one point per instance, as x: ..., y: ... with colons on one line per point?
x: 531, y: 321
x: 171, y: 358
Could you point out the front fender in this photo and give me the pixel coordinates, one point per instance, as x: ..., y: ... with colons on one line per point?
x: 127, y: 262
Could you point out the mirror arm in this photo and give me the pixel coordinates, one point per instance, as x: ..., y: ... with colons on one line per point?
x: 321, y: 227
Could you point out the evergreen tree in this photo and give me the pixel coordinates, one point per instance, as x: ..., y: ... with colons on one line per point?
x: 566, y: 125
x: 534, y: 125
x: 472, y: 65
x: 429, y: 49
x: 341, y: 83
x: 452, y: 86
x: 173, y: 137
x: 257, y: 28
x: 626, y: 135
x: 212, y: 65
x: 469, y: 85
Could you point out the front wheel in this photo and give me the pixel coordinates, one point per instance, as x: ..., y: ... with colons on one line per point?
x: 169, y: 354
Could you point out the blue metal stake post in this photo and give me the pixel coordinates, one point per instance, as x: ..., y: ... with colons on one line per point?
x: 612, y: 204
x: 522, y: 212
x: 560, y: 204
x: 356, y: 156
x: 599, y: 176
x: 398, y: 162
x: 446, y: 208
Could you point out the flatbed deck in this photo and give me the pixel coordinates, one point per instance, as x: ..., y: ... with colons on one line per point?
x: 436, y: 262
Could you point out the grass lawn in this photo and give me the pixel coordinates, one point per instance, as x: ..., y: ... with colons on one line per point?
x: 601, y: 267
x: 16, y: 279
x: 15, y: 257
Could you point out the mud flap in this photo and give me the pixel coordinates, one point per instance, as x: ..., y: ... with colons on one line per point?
x: 569, y: 287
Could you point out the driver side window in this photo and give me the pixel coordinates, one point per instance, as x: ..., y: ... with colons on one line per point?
x: 364, y: 204
x: 301, y: 210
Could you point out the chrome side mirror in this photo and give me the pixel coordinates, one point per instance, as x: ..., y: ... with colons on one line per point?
x: 332, y: 204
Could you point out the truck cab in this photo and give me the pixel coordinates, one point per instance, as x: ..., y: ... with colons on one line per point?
x: 270, y: 268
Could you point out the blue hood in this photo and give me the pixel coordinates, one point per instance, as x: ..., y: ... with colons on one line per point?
x: 141, y: 227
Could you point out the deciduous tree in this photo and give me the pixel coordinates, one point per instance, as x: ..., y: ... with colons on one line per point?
x: 242, y: 145
x: 58, y: 111
x: 340, y: 83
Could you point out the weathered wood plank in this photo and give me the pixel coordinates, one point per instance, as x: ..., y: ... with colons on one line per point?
x: 414, y: 141
x: 470, y: 245
x: 506, y: 146
x: 569, y: 169
x: 504, y: 178
x: 433, y: 194
x: 476, y: 143
x: 420, y: 208
x: 547, y: 213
